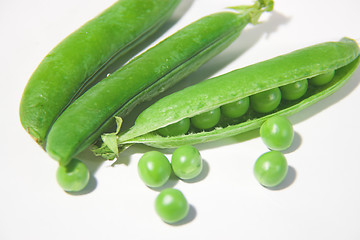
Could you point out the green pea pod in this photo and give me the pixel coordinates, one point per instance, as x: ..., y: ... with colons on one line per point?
x: 73, y: 64
x: 144, y: 77
x: 342, y: 56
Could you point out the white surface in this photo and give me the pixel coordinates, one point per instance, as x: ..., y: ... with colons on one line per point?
x: 319, y: 199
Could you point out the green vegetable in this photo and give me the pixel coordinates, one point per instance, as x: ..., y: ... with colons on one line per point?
x: 271, y: 168
x: 342, y: 56
x: 73, y: 177
x: 175, y: 129
x: 322, y: 79
x: 171, y: 205
x: 154, y: 169
x: 144, y: 77
x: 186, y: 162
x: 267, y: 101
x: 206, y: 120
x: 76, y: 62
x: 294, y: 91
x: 277, y: 133
x: 236, y: 109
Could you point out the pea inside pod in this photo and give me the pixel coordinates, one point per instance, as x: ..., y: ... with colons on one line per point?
x: 341, y: 57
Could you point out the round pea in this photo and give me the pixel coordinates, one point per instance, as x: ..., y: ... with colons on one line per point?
x: 266, y: 101
x: 277, y: 133
x: 154, y: 169
x: 271, y: 168
x: 171, y: 205
x: 236, y: 109
x: 73, y: 177
x: 322, y: 79
x: 179, y: 128
x: 294, y: 90
x: 186, y: 162
x: 206, y: 120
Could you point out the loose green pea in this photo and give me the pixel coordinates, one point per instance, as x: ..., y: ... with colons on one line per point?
x: 322, y: 79
x: 186, y: 162
x: 154, y: 169
x: 266, y: 101
x: 206, y: 120
x: 73, y: 177
x: 271, y: 168
x: 236, y: 109
x: 277, y: 133
x: 294, y: 91
x: 175, y: 129
x: 171, y: 205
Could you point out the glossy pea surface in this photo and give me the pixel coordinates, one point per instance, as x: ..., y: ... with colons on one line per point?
x: 322, y: 79
x: 74, y: 177
x: 154, y: 169
x: 266, y: 101
x: 186, y: 162
x: 277, y: 133
x: 206, y: 120
x: 271, y: 168
x: 175, y: 129
x: 236, y: 109
x: 294, y: 90
x: 171, y: 205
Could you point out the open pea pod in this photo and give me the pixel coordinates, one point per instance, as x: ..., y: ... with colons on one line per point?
x: 341, y: 57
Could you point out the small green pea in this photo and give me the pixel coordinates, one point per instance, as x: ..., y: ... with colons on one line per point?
x: 322, y: 79
x: 154, y: 169
x: 266, y: 101
x: 171, y: 205
x: 294, y: 90
x: 176, y: 129
x: 271, y: 168
x: 74, y: 176
x: 186, y: 162
x: 206, y: 120
x: 236, y: 109
x: 277, y: 133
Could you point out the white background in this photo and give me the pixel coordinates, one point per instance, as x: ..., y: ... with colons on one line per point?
x: 318, y: 200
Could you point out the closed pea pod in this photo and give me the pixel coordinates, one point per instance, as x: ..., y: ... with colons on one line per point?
x: 161, y: 66
x: 76, y: 62
x: 341, y: 56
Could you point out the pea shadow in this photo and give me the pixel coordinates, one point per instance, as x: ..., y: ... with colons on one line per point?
x: 295, y: 144
x: 204, y: 173
x: 287, y: 182
x: 189, y: 218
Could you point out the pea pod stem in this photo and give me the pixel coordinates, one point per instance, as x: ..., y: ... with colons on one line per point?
x: 160, y: 67
x: 212, y: 93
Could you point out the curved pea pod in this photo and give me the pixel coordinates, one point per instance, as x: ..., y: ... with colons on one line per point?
x: 144, y: 77
x: 69, y: 68
x: 341, y: 56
